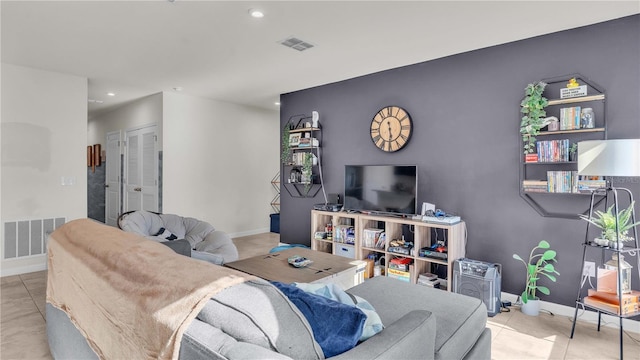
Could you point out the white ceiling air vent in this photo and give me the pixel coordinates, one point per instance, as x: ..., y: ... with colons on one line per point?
x: 296, y: 43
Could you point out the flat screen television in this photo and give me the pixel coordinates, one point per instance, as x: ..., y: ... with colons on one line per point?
x: 381, y: 188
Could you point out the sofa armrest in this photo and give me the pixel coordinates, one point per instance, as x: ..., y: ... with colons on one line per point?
x: 413, y: 336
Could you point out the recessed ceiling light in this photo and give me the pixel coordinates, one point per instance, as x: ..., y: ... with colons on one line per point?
x: 256, y: 13
x: 111, y: 94
x: 277, y: 103
x: 177, y: 88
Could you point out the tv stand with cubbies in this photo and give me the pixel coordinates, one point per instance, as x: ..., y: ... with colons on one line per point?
x: 393, y: 227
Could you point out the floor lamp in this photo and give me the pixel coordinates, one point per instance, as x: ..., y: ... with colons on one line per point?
x: 610, y: 158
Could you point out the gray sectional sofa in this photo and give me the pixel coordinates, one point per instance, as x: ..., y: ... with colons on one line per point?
x: 254, y: 320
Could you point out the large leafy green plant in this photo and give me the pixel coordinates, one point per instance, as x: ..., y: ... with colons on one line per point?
x: 538, y: 264
x: 533, y: 119
x: 606, y: 221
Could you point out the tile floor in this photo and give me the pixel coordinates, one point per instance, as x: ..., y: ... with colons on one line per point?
x: 514, y: 335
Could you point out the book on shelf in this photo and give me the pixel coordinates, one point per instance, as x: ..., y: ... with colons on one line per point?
x: 553, y: 150
x: 562, y: 181
x: 531, y: 158
x: 534, y: 185
x: 587, y: 186
x: 308, y: 142
x: 398, y: 274
x: 570, y: 118
x: 613, y: 308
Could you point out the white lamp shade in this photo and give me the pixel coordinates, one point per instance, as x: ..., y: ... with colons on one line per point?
x: 619, y: 157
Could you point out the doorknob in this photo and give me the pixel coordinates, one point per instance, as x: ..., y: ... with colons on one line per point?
x: 106, y: 185
x: 137, y: 189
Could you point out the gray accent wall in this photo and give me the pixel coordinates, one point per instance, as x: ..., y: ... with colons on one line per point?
x: 466, y: 115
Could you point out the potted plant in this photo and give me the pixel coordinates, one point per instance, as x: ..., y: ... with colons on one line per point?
x: 538, y: 264
x: 533, y: 119
x: 572, y: 152
x: 606, y: 221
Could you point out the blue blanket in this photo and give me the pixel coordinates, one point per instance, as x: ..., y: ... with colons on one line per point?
x: 372, y: 326
x: 336, y: 327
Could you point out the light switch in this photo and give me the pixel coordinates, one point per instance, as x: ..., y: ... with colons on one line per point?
x: 68, y: 180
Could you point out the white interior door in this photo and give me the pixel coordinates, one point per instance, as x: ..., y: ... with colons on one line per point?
x: 112, y: 181
x: 141, y: 170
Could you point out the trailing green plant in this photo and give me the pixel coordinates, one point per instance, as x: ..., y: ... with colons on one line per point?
x: 606, y: 221
x: 307, y: 166
x: 538, y: 264
x: 533, y: 119
x: 286, y: 148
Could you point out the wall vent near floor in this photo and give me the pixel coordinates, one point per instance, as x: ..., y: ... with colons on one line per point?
x: 28, y: 237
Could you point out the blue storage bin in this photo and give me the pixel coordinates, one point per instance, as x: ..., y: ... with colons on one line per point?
x: 275, y: 223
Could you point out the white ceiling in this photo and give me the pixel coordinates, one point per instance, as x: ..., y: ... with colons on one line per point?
x: 214, y: 49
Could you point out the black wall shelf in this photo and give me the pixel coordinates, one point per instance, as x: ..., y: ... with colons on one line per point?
x: 533, y: 170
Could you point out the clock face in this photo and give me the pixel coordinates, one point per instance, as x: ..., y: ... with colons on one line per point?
x: 391, y: 128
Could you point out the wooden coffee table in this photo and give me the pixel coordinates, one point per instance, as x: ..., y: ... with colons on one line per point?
x: 326, y: 268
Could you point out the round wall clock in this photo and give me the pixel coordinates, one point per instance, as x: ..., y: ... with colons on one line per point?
x: 391, y: 128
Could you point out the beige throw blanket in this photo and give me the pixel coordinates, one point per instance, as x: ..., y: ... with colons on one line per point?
x: 130, y: 297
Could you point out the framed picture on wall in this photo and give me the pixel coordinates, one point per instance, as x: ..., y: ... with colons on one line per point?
x: 294, y: 139
x: 89, y: 156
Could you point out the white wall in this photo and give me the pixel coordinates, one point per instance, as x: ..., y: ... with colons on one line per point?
x: 145, y: 111
x: 219, y: 159
x: 44, y: 137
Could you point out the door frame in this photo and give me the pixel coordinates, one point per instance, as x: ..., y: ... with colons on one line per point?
x: 125, y: 175
x: 118, y: 183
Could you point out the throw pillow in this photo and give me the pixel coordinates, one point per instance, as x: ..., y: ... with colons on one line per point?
x: 336, y: 327
x: 166, y: 234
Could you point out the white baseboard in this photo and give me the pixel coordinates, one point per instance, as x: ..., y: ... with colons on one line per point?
x: 250, y: 232
x: 588, y: 316
x: 23, y: 269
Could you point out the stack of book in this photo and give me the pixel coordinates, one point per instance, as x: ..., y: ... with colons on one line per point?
x: 400, y: 275
x: 553, y: 150
x: 611, y: 302
x: 401, y: 264
x: 570, y: 118
x: 588, y: 186
x: 308, y: 142
x: 428, y: 279
x: 534, y: 185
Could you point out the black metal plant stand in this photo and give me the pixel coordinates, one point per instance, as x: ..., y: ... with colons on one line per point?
x: 588, y: 245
